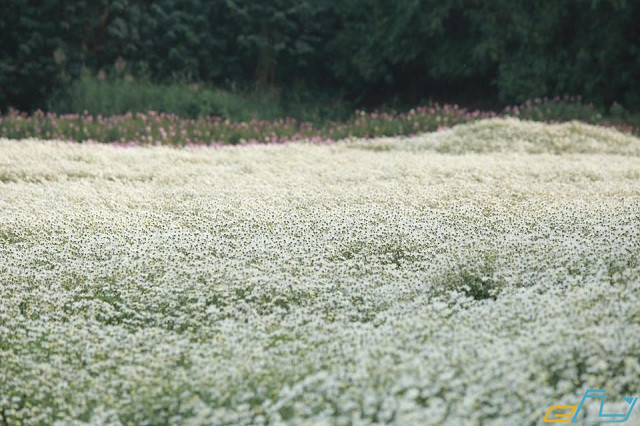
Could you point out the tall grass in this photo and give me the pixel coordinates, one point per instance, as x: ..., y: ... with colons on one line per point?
x: 118, y: 96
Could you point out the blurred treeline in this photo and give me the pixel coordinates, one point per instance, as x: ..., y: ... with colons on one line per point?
x: 329, y: 52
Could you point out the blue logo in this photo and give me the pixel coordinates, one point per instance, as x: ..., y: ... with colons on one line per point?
x: 571, y: 416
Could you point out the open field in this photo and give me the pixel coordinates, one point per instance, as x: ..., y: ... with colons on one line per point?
x: 476, y: 275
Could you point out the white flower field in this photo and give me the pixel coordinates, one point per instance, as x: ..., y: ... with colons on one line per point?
x: 471, y: 276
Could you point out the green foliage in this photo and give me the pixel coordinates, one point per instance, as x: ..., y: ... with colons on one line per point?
x: 368, y: 51
x: 111, y: 97
x: 476, y: 282
x: 116, y: 96
x: 548, y: 48
x: 520, y: 49
x: 27, y: 65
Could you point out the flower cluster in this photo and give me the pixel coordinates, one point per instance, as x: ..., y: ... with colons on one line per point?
x: 155, y: 128
x: 477, y: 275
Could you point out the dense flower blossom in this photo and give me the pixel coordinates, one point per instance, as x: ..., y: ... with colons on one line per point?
x: 475, y: 275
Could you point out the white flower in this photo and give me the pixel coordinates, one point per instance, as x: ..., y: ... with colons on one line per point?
x: 479, y: 274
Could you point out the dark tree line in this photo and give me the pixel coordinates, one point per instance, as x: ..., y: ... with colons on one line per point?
x: 368, y: 50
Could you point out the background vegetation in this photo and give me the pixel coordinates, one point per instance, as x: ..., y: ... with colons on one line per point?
x: 313, y: 59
